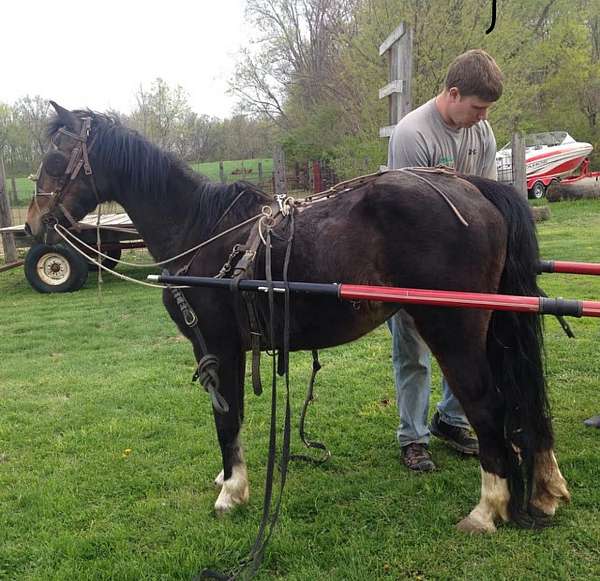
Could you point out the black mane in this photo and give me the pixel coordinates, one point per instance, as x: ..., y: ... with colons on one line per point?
x: 142, y: 167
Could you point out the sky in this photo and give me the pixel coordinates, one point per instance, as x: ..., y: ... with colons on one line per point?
x: 96, y: 54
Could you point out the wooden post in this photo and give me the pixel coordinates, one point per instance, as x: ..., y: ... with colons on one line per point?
x: 221, y: 172
x: 399, y: 45
x: 15, y: 199
x: 518, y: 163
x: 260, y: 173
x: 8, y: 239
x: 279, y: 171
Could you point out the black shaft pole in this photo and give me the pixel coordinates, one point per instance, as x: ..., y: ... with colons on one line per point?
x: 331, y: 289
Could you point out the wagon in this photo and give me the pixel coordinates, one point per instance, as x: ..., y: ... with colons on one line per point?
x: 60, y: 268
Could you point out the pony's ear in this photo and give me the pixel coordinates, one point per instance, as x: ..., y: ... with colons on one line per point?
x: 66, y: 117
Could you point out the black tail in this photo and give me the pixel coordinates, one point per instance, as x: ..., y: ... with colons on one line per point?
x: 515, y: 347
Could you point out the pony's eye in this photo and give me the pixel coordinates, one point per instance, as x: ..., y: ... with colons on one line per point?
x: 55, y: 163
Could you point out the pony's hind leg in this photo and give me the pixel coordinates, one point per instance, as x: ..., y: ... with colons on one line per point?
x: 549, y: 486
x: 468, y: 373
x: 492, y: 506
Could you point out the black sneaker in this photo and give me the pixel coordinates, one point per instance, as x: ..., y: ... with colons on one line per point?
x: 460, y: 439
x: 416, y: 457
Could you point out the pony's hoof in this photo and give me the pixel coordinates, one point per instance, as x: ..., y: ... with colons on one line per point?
x: 541, y: 518
x: 222, y: 509
x: 533, y: 519
x: 226, y: 502
x: 235, y: 491
x: 219, y: 479
x: 473, y: 526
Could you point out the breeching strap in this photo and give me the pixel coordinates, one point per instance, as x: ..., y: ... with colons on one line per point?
x: 316, y: 366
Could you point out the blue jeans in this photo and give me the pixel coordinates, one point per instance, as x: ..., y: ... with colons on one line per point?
x: 412, y: 373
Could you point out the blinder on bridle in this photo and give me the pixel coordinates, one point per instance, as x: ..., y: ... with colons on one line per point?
x: 55, y: 163
x: 66, y: 168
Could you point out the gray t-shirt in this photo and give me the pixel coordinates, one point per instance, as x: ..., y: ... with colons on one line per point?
x: 422, y: 139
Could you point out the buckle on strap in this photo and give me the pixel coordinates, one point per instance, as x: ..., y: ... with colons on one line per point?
x: 285, y: 203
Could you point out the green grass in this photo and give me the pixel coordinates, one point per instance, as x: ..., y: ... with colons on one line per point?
x: 24, y: 188
x: 212, y: 171
x: 84, y: 378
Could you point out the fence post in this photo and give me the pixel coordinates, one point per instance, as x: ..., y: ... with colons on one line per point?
x: 221, y: 172
x: 279, y: 171
x: 518, y: 163
x: 317, y: 180
x: 8, y: 239
x: 260, y: 174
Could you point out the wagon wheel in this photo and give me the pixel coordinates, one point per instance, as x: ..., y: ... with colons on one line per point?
x: 55, y: 269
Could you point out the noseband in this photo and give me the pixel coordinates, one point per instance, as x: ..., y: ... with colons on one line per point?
x: 79, y: 159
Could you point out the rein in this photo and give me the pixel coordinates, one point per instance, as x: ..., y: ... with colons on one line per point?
x: 163, y: 262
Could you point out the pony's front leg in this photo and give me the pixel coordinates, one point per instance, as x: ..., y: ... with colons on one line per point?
x: 233, y: 479
x: 549, y: 486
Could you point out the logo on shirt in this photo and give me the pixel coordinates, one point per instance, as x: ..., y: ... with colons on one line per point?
x: 472, y: 152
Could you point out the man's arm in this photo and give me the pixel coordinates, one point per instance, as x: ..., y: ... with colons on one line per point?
x: 490, y: 169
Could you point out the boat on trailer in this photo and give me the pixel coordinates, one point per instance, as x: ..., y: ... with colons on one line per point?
x: 549, y: 157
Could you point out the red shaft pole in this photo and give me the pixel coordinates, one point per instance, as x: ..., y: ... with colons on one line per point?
x: 590, y: 309
x: 568, y: 267
x: 458, y: 299
x: 441, y: 298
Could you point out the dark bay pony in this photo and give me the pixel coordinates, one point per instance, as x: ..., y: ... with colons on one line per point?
x: 395, y: 230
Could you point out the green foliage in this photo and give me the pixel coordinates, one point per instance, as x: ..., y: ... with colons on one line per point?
x: 358, y: 155
x: 549, y: 52
x: 315, y: 136
x: 108, y: 452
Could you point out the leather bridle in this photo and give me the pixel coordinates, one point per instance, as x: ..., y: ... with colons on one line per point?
x: 78, y: 159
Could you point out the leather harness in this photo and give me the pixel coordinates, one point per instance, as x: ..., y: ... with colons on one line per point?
x: 78, y: 159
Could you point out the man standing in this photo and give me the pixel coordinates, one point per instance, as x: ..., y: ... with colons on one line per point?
x: 450, y: 129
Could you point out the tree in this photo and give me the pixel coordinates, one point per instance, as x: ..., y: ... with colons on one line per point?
x: 33, y: 114
x: 295, y: 56
x: 161, y: 113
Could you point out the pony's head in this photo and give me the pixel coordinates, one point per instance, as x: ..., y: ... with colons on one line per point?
x: 66, y: 186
